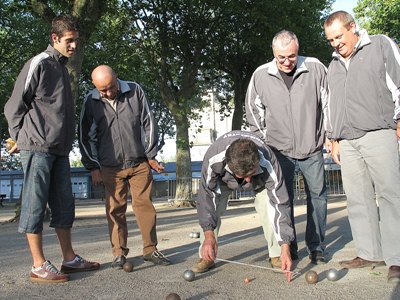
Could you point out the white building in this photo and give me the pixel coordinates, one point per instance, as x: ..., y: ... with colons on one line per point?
x: 202, y: 132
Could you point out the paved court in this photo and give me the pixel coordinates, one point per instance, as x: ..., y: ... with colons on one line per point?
x: 241, y: 241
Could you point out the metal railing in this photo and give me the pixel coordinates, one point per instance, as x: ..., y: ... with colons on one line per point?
x: 167, y: 188
x: 333, y: 180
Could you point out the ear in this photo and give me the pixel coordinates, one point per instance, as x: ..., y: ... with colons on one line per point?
x: 353, y: 27
x: 54, y: 38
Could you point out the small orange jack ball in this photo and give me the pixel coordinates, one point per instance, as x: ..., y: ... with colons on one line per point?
x: 247, y: 280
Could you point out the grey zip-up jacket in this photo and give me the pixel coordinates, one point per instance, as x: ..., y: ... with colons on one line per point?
x: 216, y: 173
x: 120, y: 138
x: 365, y: 96
x: 41, y: 109
x: 289, y: 120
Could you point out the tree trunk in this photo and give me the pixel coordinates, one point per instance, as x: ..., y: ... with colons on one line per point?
x: 74, y: 68
x: 240, y: 94
x: 183, y: 196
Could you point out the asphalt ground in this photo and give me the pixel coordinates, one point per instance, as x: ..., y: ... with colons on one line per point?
x: 241, y: 240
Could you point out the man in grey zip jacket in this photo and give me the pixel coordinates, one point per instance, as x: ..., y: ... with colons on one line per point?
x: 364, y: 127
x: 40, y: 115
x: 284, y: 106
x: 240, y: 160
x: 118, y: 141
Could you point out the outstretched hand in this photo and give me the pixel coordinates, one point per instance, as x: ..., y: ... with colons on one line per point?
x: 286, y: 261
x: 210, y: 246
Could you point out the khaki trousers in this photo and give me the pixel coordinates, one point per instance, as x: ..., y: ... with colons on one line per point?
x: 117, y: 183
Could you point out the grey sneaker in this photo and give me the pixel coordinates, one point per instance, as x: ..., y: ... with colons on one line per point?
x: 118, y: 262
x: 157, y: 258
x: 47, y: 272
x: 79, y: 264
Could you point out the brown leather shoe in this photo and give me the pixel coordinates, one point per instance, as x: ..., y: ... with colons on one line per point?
x: 203, y: 265
x: 359, y: 262
x: 276, y: 262
x: 394, y: 274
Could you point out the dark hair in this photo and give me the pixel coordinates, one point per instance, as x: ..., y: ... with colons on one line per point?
x: 62, y: 24
x: 344, y: 17
x: 242, y: 157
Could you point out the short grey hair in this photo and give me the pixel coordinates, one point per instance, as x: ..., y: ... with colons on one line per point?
x: 284, y: 37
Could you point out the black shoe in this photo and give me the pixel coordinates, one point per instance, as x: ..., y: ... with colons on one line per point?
x: 118, y: 262
x: 317, y: 257
x: 157, y: 258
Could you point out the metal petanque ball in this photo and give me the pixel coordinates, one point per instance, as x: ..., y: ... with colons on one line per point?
x: 194, y: 235
x: 188, y: 275
x: 311, y: 277
x: 332, y: 275
x: 173, y: 296
x: 128, y: 267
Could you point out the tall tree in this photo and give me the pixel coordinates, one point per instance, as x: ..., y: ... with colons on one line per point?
x: 172, y: 39
x: 379, y: 17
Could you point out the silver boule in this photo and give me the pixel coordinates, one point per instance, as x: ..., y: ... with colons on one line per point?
x: 188, y: 275
x: 332, y: 275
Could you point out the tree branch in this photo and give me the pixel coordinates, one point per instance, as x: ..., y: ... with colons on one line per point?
x: 41, y: 9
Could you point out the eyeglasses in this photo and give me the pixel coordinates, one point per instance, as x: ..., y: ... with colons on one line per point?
x: 282, y: 59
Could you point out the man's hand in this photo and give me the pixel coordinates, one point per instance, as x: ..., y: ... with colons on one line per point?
x: 336, y: 152
x: 210, y: 246
x: 155, y: 165
x: 11, y: 146
x: 328, y: 145
x: 96, y: 177
x: 286, y: 261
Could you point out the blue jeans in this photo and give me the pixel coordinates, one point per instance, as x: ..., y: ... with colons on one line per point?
x: 315, y: 187
x: 47, y: 180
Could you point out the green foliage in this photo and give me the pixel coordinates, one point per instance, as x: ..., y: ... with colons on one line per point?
x: 379, y: 17
x: 171, y: 38
x: 21, y: 36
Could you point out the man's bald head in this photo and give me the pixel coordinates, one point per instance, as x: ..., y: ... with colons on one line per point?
x: 105, y: 80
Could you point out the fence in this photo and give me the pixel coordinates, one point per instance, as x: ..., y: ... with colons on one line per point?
x: 11, y: 185
x: 333, y: 180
